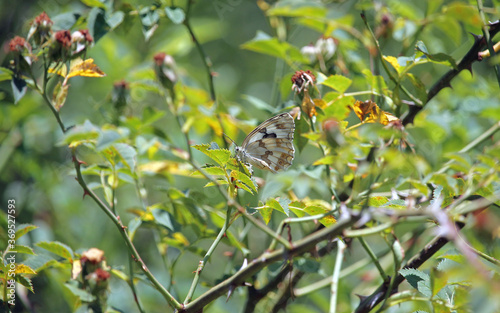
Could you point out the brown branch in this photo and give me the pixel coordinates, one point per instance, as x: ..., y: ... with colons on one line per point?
x: 368, y: 303
x: 299, y: 247
x: 445, y: 81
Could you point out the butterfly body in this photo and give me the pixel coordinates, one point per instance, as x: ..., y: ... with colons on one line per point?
x: 270, y: 145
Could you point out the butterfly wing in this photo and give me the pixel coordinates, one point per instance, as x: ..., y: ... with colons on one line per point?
x: 270, y: 145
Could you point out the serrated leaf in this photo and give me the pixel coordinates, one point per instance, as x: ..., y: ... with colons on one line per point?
x: 275, y: 205
x: 24, y: 229
x: 338, y: 82
x: 24, y: 269
x: 266, y: 212
x: 221, y: 156
x: 25, y: 281
x: 244, y: 179
x: 57, y: 248
x: 418, y: 280
x: 40, y: 262
x: 24, y: 249
x: 319, y: 209
x: 83, y: 295
x: 214, y: 170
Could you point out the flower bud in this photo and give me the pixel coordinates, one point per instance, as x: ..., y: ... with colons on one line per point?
x: 301, y: 81
x: 41, y: 28
x: 165, y: 71
x: 60, y: 46
x: 81, y: 40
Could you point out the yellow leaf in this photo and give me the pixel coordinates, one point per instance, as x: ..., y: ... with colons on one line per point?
x: 24, y: 269
x: 76, y: 269
x: 369, y: 112
x: 180, y: 238
x: 394, y: 62
x: 85, y: 68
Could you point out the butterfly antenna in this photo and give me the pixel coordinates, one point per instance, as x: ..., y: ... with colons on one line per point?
x: 230, y: 139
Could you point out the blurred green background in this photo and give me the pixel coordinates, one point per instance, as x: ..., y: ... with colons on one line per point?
x: 37, y: 171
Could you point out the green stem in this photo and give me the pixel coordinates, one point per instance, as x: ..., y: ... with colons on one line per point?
x: 388, y: 72
x: 123, y: 231
x: 206, y: 60
x: 341, y: 246
x: 374, y: 258
x: 132, y: 285
x: 486, y: 135
x: 209, y: 253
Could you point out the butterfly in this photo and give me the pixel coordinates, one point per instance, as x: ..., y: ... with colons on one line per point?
x: 270, y: 145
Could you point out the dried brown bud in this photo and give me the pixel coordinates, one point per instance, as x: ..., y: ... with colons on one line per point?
x: 302, y: 80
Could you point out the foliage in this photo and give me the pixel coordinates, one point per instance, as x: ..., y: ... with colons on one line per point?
x: 393, y: 193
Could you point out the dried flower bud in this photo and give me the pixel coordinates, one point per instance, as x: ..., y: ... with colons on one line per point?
x: 19, y: 45
x: 60, y: 46
x: 93, y: 255
x: 21, y: 50
x: 165, y: 71
x: 40, y: 30
x: 81, y: 39
x: 301, y: 80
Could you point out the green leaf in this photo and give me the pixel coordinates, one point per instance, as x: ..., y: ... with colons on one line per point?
x: 245, y: 180
x: 438, y: 58
x: 165, y: 219
x: 18, y: 88
x: 263, y: 43
x: 57, y: 248
x: 5, y: 74
x: 419, y: 280
x: 275, y: 205
x: 39, y: 262
x: 97, y: 24
x: 266, y: 212
x: 83, y: 295
x: 81, y: 133
x: 94, y: 3
x: 59, y: 95
x: 307, y: 265
x: 337, y: 82
x: 176, y: 15
x: 24, y: 229
x: 298, y: 11
x: 214, y: 170
x: 24, y: 249
x: 339, y: 108
x: 127, y: 154
x: 329, y: 159
x: 301, y: 127
x: 149, y: 18
x: 25, y: 281
x: 65, y: 21
x: 221, y: 156
x: 106, y: 138
x: 318, y: 209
